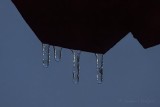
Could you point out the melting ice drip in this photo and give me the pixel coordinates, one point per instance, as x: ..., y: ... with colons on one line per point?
x: 76, y: 66
x: 57, y: 53
x: 99, y: 58
x: 46, y: 55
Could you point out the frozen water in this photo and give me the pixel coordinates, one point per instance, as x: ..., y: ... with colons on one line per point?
x: 99, y: 59
x: 57, y: 53
x: 46, y: 54
x: 76, y: 66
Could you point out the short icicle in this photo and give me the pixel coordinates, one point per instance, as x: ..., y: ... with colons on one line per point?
x: 99, y: 60
x: 46, y: 55
x: 57, y: 53
x: 76, y: 66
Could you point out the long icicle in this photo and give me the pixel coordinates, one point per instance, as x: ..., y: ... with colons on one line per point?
x: 57, y: 53
x: 99, y: 59
x: 76, y: 66
x: 46, y: 55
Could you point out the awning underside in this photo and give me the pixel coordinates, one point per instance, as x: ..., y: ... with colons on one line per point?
x: 92, y: 25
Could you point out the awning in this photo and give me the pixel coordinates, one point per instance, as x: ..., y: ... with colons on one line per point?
x: 92, y: 25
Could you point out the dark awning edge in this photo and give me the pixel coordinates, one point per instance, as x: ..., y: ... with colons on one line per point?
x: 96, y: 31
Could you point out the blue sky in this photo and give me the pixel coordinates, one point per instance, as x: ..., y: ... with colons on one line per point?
x: 131, y: 73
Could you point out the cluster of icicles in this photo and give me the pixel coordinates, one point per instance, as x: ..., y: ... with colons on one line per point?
x: 76, y: 60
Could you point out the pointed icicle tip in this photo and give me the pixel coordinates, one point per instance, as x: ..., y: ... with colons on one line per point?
x: 46, y: 55
x: 57, y: 53
x: 99, y: 61
x: 76, y: 65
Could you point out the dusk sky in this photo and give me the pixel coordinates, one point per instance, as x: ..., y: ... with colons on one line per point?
x: 131, y: 73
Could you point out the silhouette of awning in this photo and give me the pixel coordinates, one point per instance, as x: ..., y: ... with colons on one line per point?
x: 92, y: 25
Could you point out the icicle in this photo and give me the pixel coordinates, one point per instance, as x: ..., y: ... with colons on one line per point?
x: 76, y: 67
x: 46, y: 55
x: 57, y: 53
x: 99, y: 68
